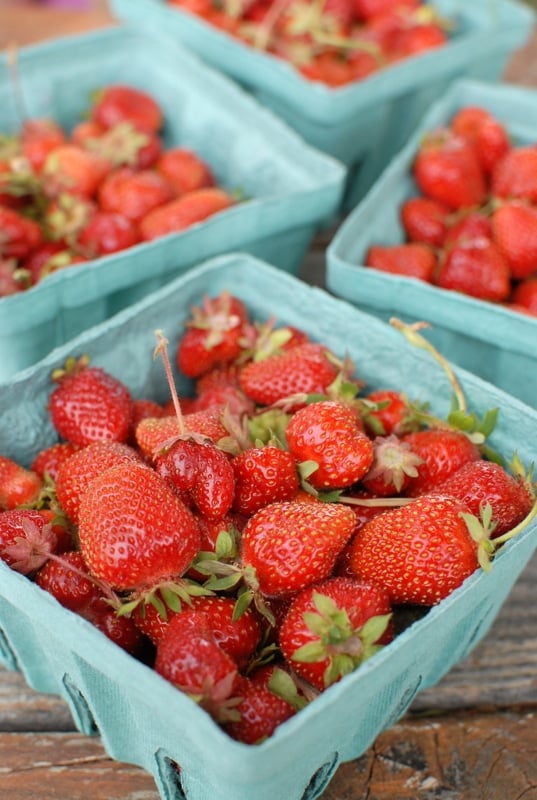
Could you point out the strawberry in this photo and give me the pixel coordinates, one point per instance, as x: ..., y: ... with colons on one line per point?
x: 486, y: 133
x: 475, y: 267
x: 293, y: 544
x: 424, y: 220
x: 73, y: 170
x: 107, y: 232
x: 419, y: 552
x: 134, y: 531
x: 515, y: 175
x: 18, y: 235
x: 68, y: 581
x: 306, y: 369
x: 525, y: 294
x: 39, y: 137
x: 368, y: 9
x: 48, y: 461
x: 473, y: 225
x: 44, y: 259
x: 447, y: 169
x: 514, y: 228
x: 119, y: 629
x: 124, y: 145
x: 332, y: 627
x: 394, y: 465
x: 416, y: 38
x: 329, y: 435
x: 77, y: 472
x: 27, y: 538
x: 477, y: 483
x: 153, y: 434
x: 412, y: 259
x: 18, y: 485
x: 89, y: 404
x: 133, y: 193
x: 443, y: 452
x: 387, y: 412
x: 213, y: 335
x: 179, y: 214
x: 260, y: 712
x: 121, y: 103
x: 263, y: 475
x: 184, y: 170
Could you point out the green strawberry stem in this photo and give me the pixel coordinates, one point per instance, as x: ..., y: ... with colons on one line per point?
x: 162, y: 350
x: 518, y: 528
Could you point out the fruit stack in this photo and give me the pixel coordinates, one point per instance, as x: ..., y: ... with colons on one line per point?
x: 479, y: 276
x: 362, y: 121
x: 219, y: 438
x: 61, y: 172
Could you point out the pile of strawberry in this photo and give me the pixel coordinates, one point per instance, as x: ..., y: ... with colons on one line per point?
x: 257, y: 541
x: 334, y: 42
x: 472, y: 225
x: 105, y: 186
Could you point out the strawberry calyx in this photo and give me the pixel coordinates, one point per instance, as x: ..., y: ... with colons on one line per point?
x: 119, y: 145
x: 164, y: 596
x: 30, y: 551
x: 72, y: 366
x: 282, y: 684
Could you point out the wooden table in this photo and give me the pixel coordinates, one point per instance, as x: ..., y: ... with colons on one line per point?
x: 472, y: 737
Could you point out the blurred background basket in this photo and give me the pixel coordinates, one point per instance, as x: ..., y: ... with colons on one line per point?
x: 141, y: 718
x: 289, y: 187
x: 365, y: 123
x: 492, y: 341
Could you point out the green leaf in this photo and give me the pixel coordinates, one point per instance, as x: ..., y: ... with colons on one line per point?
x: 310, y: 653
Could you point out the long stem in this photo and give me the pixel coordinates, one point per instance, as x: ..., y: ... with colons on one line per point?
x: 162, y: 350
x: 518, y: 528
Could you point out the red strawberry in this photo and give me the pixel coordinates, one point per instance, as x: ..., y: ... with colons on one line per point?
x: 368, y: 9
x: 38, y: 138
x: 446, y: 168
x: 329, y: 435
x: 133, y: 193
x: 45, y: 259
x: 260, y: 712
x: 121, y: 103
x: 213, y: 336
x: 333, y: 627
x: 424, y: 220
x: 184, y: 170
x: 416, y: 38
x: 394, y: 465
x: 306, y: 369
x: 263, y: 475
x: 515, y: 233
x: 18, y: 235
x: 387, y: 412
x: 525, y: 294
x: 475, y: 267
x: 65, y: 580
x: 76, y: 473
x: 153, y: 434
x: 73, y: 170
x: 107, y: 232
x: 292, y: 544
x: 474, y: 225
x: 27, y: 538
x: 49, y: 460
x: 89, y: 404
x: 443, y: 452
x: 419, y: 552
x: 515, y: 175
x: 486, y: 133
x: 18, y: 485
x: 119, y: 629
x: 134, y: 531
x: 185, y: 211
x: 480, y: 482
x: 413, y: 259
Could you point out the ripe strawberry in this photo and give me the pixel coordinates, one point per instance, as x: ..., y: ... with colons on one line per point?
x: 293, y: 544
x: 18, y: 235
x: 49, y: 460
x: 328, y: 434
x: 27, y: 538
x: 45, y: 259
x: 119, y: 629
x: 477, y: 268
x: 473, y: 225
x: 413, y: 259
x: 394, y: 465
x: 89, y: 404
x: 487, y: 134
x: 419, y: 552
x: 18, y: 485
x: 446, y: 169
x: 125, y: 146
x: 184, y: 170
x: 65, y: 580
x: 133, y: 193
x: 263, y: 475
x: 514, y: 228
x: 213, y: 336
x: 443, y: 452
x: 387, y: 412
x: 121, y: 103
x: 76, y: 473
x: 260, y: 712
x: 134, y: 531
x: 515, y: 175
x: 106, y: 232
x: 73, y: 170
x: 39, y: 137
x: 525, y: 294
x: 224, y: 397
x: 306, y: 369
x: 416, y: 38
x: 480, y: 482
x: 153, y: 434
x: 183, y: 212
x: 85, y: 132
x: 368, y: 9
x: 425, y: 220
x: 332, y: 627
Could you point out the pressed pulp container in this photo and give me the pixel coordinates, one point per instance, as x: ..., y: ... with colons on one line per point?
x: 365, y: 123
x: 142, y: 718
x: 289, y: 187
x: 494, y: 342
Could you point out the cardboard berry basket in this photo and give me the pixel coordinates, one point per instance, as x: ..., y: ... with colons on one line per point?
x: 289, y: 188
x: 143, y: 719
x: 492, y: 341
x: 365, y: 123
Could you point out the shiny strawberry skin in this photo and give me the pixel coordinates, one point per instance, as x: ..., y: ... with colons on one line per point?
x: 184, y: 170
x: 18, y: 485
x: 329, y: 434
x: 443, y: 452
x: 515, y: 175
x: 133, y: 193
x: 179, y: 214
x: 18, y: 235
x: 293, y: 544
x: 263, y: 475
x: 134, y: 532
x: 49, y: 460
x: 121, y: 103
x: 261, y: 712
x: 476, y: 268
x: 424, y: 220
x: 514, y: 226
x: 411, y: 259
x: 65, y: 582
x: 487, y: 134
x: 419, y: 552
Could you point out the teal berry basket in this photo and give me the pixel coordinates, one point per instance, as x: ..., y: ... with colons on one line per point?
x: 365, y: 123
x: 143, y: 719
x: 289, y: 187
x: 492, y: 341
